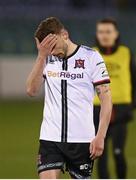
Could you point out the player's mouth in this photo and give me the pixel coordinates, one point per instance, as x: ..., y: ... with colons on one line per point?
x: 59, y: 55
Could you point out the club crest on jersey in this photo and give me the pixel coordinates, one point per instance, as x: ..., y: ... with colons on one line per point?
x: 79, y: 63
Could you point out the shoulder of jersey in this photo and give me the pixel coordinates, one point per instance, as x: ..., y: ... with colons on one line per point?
x: 87, y: 48
x: 124, y: 47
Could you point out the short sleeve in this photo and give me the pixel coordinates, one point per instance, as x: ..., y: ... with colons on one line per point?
x: 100, y: 73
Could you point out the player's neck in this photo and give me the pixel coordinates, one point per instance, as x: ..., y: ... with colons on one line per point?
x: 71, y: 48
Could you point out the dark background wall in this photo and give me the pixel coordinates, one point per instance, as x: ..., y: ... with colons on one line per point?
x: 19, y: 19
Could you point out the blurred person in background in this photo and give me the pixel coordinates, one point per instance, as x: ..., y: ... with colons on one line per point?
x: 122, y: 70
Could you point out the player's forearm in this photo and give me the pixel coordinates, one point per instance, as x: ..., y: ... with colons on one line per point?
x: 35, y: 78
x: 105, y: 114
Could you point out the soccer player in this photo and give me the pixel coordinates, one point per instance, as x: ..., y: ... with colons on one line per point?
x: 70, y: 73
x: 121, y: 67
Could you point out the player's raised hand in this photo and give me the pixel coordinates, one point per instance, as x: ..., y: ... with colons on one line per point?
x: 96, y: 147
x: 46, y: 46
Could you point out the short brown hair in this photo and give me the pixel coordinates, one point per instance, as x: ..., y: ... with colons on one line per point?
x: 109, y: 20
x: 50, y: 25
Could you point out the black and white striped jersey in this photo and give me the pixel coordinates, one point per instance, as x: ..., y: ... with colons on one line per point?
x: 69, y: 94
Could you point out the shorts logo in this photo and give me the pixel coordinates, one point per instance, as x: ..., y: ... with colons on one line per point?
x: 84, y: 166
x: 79, y: 63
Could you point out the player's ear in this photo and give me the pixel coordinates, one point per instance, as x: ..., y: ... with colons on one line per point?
x: 65, y: 34
x: 117, y: 33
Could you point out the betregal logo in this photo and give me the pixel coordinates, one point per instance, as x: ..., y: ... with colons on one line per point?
x: 65, y: 75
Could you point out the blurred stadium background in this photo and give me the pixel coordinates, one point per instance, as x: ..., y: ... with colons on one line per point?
x: 20, y: 116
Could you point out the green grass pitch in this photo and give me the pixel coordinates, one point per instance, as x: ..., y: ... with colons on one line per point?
x: 19, y: 132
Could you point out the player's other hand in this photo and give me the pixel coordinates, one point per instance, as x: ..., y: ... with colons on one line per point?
x: 46, y: 46
x: 96, y: 147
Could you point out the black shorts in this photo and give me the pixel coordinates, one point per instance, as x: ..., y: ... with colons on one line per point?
x: 74, y: 156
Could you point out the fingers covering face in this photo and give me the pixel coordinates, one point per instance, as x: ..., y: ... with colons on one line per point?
x: 48, y: 39
x: 49, y: 42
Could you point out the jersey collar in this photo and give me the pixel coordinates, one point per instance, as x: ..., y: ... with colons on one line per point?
x: 75, y: 51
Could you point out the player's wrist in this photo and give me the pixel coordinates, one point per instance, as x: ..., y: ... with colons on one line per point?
x: 100, y: 135
x: 41, y: 57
